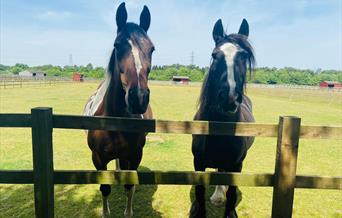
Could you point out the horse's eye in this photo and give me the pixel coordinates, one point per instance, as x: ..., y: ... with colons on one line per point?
x: 214, y: 55
x: 153, y: 49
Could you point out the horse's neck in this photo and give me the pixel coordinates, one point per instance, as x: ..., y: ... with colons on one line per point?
x: 114, y: 101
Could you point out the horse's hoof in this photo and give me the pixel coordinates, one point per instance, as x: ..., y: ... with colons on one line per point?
x: 197, y: 211
x: 128, y: 213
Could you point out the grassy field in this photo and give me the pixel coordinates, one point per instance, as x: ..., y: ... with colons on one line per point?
x: 170, y: 152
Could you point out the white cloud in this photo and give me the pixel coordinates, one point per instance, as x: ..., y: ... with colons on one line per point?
x: 54, y: 46
x: 54, y: 15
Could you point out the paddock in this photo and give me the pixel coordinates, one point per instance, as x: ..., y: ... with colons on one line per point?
x: 157, y: 209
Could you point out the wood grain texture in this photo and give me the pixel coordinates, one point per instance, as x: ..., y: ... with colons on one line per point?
x: 43, y: 161
x: 285, y: 166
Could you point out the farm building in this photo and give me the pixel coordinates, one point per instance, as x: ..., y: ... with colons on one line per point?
x: 330, y: 84
x: 181, y: 79
x: 27, y: 73
x: 77, y: 77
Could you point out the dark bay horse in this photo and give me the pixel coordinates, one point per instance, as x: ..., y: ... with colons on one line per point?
x: 222, y: 99
x: 124, y: 93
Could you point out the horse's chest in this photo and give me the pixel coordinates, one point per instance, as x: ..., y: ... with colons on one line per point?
x: 223, y: 151
x: 112, y: 144
x: 116, y: 143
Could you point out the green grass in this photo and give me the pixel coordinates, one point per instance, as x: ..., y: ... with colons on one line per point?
x: 170, y: 152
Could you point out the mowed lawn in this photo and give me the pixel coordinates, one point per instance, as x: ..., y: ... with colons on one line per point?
x: 170, y: 152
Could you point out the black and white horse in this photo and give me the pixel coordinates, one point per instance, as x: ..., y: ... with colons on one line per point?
x: 222, y: 99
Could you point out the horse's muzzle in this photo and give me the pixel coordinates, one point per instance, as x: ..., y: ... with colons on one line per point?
x: 228, y: 103
x: 138, y: 100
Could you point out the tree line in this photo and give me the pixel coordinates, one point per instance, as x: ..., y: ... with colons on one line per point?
x: 264, y: 75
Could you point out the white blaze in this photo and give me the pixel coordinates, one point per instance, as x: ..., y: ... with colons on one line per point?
x: 229, y: 50
x: 136, y: 57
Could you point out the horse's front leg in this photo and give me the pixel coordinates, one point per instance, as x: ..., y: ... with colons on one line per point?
x: 130, y: 189
x: 233, y: 196
x: 198, y: 206
x: 105, y: 189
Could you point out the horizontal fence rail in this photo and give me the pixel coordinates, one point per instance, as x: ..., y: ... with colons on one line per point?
x: 164, y: 126
x: 15, y: 120
x: 284, y: 180
x: 161, y: 126
x: 166, y: 178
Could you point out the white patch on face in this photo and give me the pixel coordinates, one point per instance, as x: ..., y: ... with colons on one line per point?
x: 136, y: 56
x: 229, y: 50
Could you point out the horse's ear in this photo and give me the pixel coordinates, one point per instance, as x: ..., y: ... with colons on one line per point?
x: 121, y: 16
x: 218, y: 33
x: 145, y: 18
x: 244, y: 28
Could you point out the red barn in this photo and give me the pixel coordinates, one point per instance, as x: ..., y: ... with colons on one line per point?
x: 77, y: 77
x: 330, y: 84
x: 181, y: 79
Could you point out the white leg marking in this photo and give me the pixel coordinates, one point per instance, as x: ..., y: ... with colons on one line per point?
x: 129, y: 206
x: 219, y: 196
x: 117, y: 164
x: 105, y: 207
x: 229, y: 50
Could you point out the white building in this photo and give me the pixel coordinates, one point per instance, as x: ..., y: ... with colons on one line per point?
x: 27, y: 73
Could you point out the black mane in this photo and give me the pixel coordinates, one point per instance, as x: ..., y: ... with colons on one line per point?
x: 206, y: 92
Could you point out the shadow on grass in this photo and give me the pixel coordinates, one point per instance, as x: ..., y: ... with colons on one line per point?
x: 212, y: 211
x: 142, y: 203
x: 77, y: 201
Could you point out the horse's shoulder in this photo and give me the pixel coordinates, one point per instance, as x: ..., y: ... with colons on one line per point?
x: 247, y: 103
x: 200, y: 115
x: 246, y: 111
x: 246, y: 100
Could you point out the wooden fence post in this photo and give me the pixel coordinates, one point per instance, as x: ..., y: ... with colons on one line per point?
x: 285, y: 166
x: 42, y: 161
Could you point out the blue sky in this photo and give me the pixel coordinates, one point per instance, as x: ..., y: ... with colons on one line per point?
x: 294, y: 33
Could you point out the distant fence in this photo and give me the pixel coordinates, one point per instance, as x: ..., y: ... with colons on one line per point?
x: 19, y: 82
x: 284, y: 180
x: 22, y: 81
x: 254, y: 85
x: 292, y: 86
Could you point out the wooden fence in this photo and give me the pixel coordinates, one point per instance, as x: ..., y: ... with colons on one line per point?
x: 284, y: 180
x: 17, y: 82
